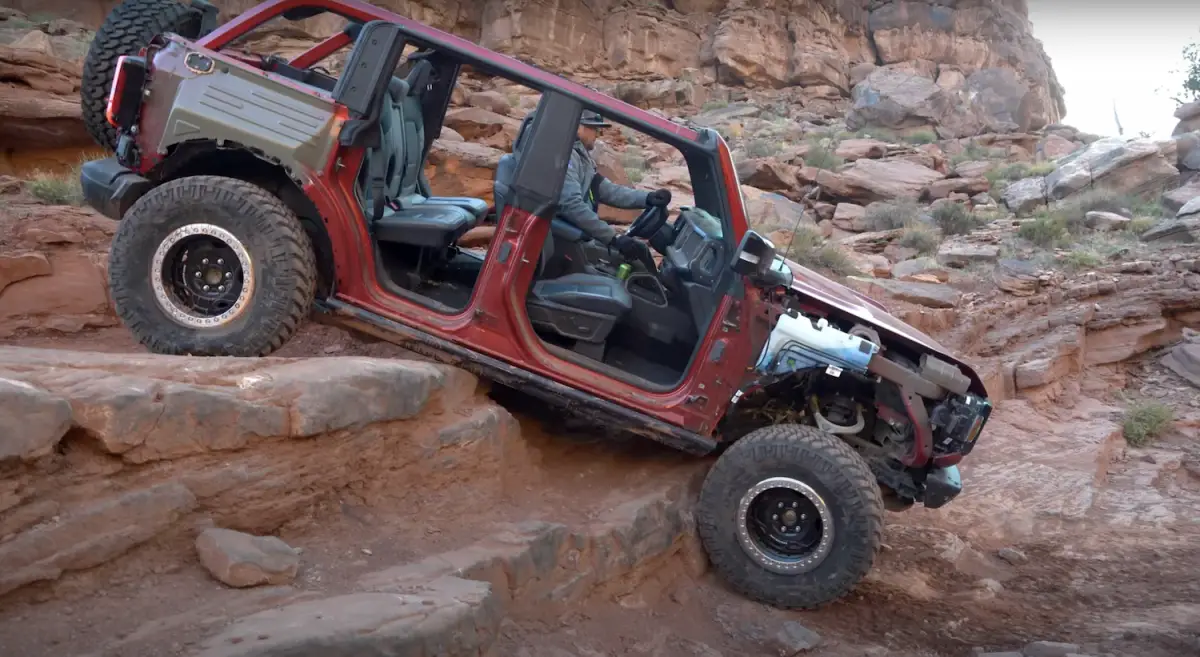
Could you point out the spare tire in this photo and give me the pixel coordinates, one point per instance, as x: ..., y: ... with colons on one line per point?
x: 128, y: 28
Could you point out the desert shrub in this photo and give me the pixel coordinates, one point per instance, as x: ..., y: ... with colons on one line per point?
x: 1146, y: 420
x: 921, y: 137
x: 1072, y: 210
x: 1042, y: 169
x: 810, y: 249
x: 882, y: 134
x: 973, y: 151
x: 56, y: 188
x: 713, y: 105
x: 633, y: 158
x: 762, y: 148
x: 1014, y: 171
x: 822, y: 157
x: 889, y: 216
x: 1140, y: 225
x: 1083, y: 259
x: 636, y: 174
x: 1043, y: 230
x: 922, y: 239
x: 954, y: 218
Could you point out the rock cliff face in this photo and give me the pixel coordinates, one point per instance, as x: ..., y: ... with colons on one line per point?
x: 756, y: 43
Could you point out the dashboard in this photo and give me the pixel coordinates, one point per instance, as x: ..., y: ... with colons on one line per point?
x: 696, y: 250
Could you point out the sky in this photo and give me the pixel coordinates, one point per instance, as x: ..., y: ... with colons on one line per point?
x: 1122, y: 52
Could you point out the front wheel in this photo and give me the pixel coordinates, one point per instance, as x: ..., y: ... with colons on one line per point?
x: 211, y: 266
x: 791, y: 516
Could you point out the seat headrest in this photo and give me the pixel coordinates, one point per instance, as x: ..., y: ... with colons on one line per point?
x: 398, y: 88
x: 418, y: 77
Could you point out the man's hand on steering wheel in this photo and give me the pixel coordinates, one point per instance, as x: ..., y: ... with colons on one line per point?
x: 658, y: 198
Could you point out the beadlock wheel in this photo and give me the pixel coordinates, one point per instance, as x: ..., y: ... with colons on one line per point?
x: 785, y: 526
x: 202, y: 275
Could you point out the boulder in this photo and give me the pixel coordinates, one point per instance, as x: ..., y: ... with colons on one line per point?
x: 39, y: 100
x: 1184, y: 360
x: 493, y: 101
x: 241, y: 560
x: 851, y: 217
x: 1017, y: 277
x: 461, y: 168
x: 1184, y: 230
x: 907, y: 269
x: 857, y: 149
x: 1189, y: 118
x: 1187, y: 151
x: 930, y: 295
x: 1105, y: 221
x: 43, y: 419
x: 483, y: 126
x: 896, y: 99
x: 16, y: 267
x: 1053, y: 147
x: 1175, y: 199
x: 956, y: 253
x: 767, y: 174
x: 944, y: 188
x: 1023, y: 196
x: 878, y: 180
x: 768, y: 212
x: 1136, y: 166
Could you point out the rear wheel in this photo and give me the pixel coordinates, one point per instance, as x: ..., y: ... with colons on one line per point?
x: 128, y: 28
x: 211, y: 266
x: 791, y: 516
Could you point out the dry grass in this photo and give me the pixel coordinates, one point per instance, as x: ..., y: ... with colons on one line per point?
x: 924, y: 240
x: 1146, y: 420
x: 810, y: 249
x: 954, y: 219
x: 56, y: 188
x: 890, y: 216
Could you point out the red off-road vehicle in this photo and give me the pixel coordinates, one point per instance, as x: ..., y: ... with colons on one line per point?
x: 253, y: 190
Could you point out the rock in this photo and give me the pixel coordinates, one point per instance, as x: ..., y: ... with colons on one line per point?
x: 794, y: 639
x: 92, y: 535
x: 878, y: 180
x: 954, y: 253
x: 1187, y: 151
x: 1105, y: 221
x: 661, y: 94
x: 930, y: 295
x: 482, y: 126
x: 1053, y: 147
x: 492, y: 101
x: 73, y: 292
x: 20, y: 266
x: 43, y: 419
x: 851, y: 217
x: 1024, y: 196
x: 1184, y: 360
x: 1175, y: 199
x: 767, y: 174
x: 1017, y: 277
x: 998, y: 654
x: 857, y: 149
x: 896, y: 253
x: 1185, y: 230
x: 1190, y: 208
x: 449, y: 616
x: 241, y: 560
x: 1189, y: 118
x: 944, y: 188
x: 972, y: 168
x: 40, y: 107
x: 1049, y: 649
x: 893, y: 98
x: 1012, y: 556
x: 1130, y: 167
x: 920, y: 267
x: 457, y: 168
x: 769, y: 212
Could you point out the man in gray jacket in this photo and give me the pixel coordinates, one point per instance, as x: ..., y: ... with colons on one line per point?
x: 584, y: 190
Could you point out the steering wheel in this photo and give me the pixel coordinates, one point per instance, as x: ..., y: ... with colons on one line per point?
x: 648, y: 222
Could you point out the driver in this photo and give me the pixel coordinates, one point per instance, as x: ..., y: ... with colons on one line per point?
x: 585, y: 189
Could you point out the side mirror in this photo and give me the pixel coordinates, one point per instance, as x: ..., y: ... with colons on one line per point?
x: 756, y: 260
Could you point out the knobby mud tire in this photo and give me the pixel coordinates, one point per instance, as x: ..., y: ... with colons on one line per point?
x: 281, y: 254
x: 835, y: 471
x: 129, y: 28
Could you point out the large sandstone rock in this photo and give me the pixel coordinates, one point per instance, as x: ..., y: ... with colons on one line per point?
x: 1184, y: 360
x: 241, y: 560
x: 878, y: 180
x: 39, y: 99
x: 462, y: 168
x: 1135, y: 166
x: 33, y: 420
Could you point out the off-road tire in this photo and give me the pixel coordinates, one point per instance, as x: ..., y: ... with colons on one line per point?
x: 129, y: 28
x: 282, y: 257
x: 835, y: 471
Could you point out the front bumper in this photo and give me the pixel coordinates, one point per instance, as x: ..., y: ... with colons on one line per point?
x: 110, y: 187
x: 941, y: 486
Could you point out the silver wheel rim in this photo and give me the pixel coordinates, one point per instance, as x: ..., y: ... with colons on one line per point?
x: 170, y: 303
x: 769, y: 560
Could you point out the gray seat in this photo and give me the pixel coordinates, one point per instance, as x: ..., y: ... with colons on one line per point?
x: 591, y: 292
x: 412, y: 218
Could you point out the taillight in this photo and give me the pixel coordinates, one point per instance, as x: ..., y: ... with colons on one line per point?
x: 124, y: 98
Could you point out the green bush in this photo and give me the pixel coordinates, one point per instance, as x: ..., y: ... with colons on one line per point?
x: 822, y: 157
x: 1083, y: 259
x: 1072, y: 211
x: 810, y: 249
x: 56, y: 188
x: 1042, y: 169
x: 1144, y: 421
x: 713, y: 105
x: 636, y: 175
x: 889, y: 216
x: 954, y: 218
x: 922, y: 239
x: 1140, y: 225
x: 1043, y: 230
x: 762, y: 148
x: 921, y: 137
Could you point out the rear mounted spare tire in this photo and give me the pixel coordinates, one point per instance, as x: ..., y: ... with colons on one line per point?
x: 791, y: 516
x: 129, y: 28
x: 211, y: 266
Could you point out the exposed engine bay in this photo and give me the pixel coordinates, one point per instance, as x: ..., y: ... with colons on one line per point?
x: 911, y: 416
